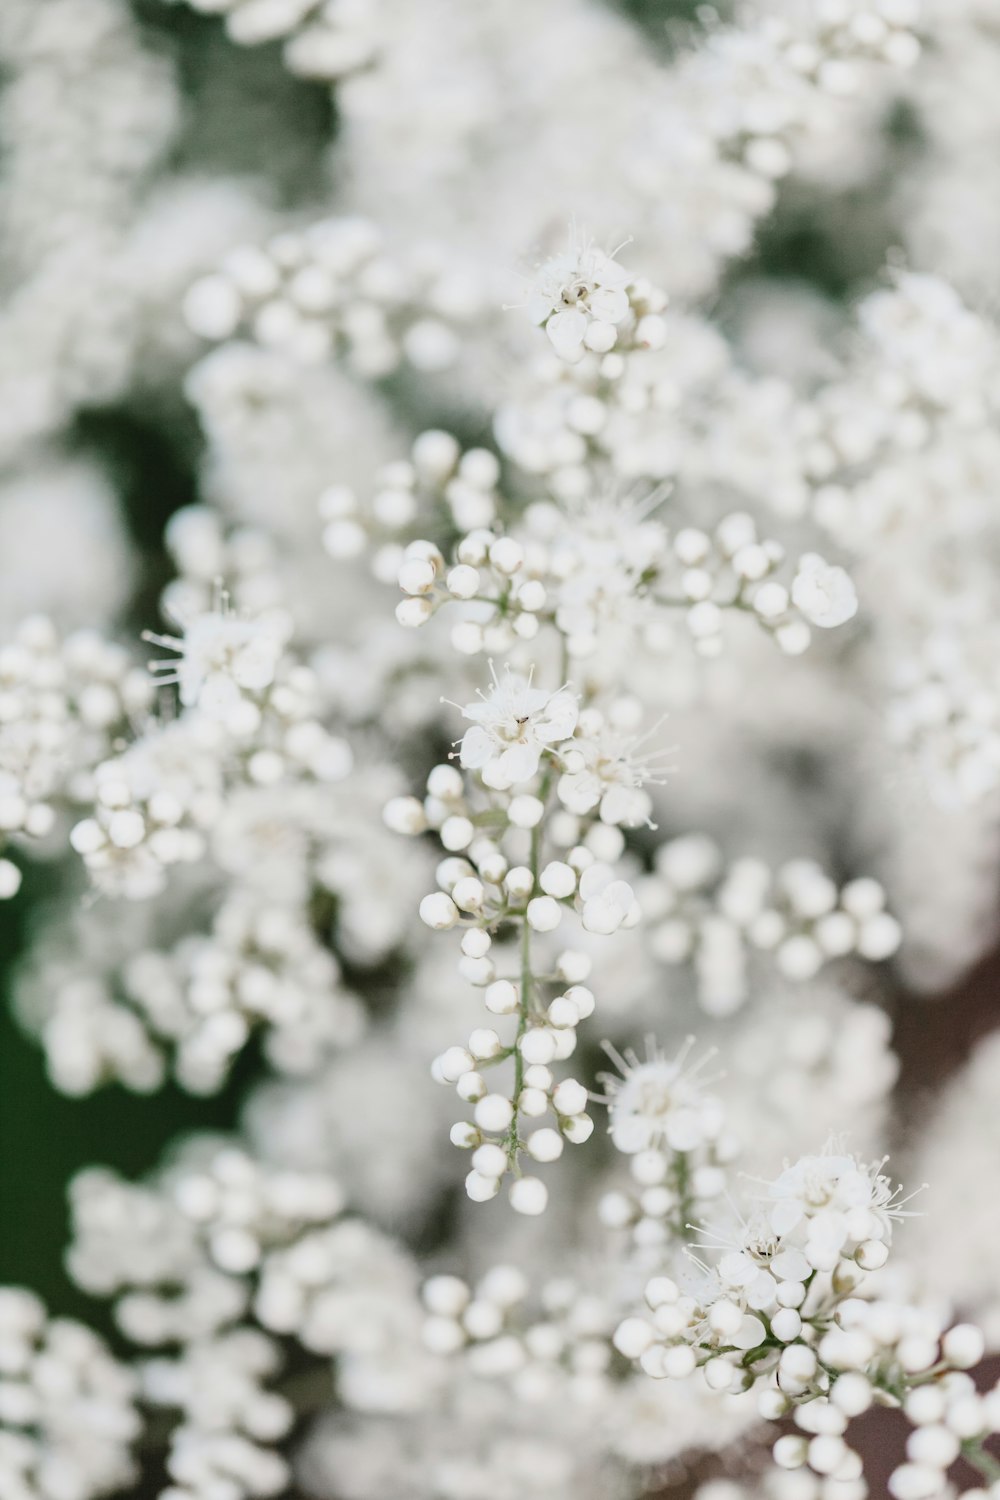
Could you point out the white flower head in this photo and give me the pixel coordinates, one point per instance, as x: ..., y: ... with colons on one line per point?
x: 834, y: 1198
x: 222, y: 655
x: 512, y: 725
x: 580, y: 297
x: 659, y: 1101
x: 823, y: 592
x: 606, y: 769
x: 753, y: 1261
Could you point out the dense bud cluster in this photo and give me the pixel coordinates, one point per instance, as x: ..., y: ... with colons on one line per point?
x: 550, y: 453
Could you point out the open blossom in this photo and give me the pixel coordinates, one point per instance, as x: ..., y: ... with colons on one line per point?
x: 823, y: 592
x: 579, y: 297
x: 831, y: 1201
x: 221, y: 655
x: 660, y: 1101
x: 512, y: 726
x: 604, y: 770
x: 754, y: 1263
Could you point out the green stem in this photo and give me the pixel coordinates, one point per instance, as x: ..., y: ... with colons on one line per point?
x: 984, y: 1463
x: 527, y: 995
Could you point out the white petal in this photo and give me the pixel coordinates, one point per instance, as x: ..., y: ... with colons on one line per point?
x: 566, y: 330
x: 609, y: 305
x: 477, y: 748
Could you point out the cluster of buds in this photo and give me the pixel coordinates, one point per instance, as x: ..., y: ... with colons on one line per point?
x: 699, y: 910
x: 777, y: 1280
x: 493, y: 881
x: 886, y: 1353
x: 679, y: 1149
x: 566, y: 1348
x: 794, y: 72
x: 437, y: 482
x: 63, y: 703
x: 249, y: 719
x: 613, y: 565
x: 333, y: 288
x: 731, y: 568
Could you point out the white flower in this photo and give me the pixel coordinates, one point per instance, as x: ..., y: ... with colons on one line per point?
x: 222, y: 655
x: 834, y: 1198
x: 603, y: 770
x: 823, y: 592
x: 607, y: 903
x: 659, y: 1102
x: 512, y: 726
x: 579, y: 297
x: 754, y: 1262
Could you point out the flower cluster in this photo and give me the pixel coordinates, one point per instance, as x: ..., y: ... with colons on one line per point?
x: 321, y: 39
x: 436, y: 478
x: 249, y: 721
x: 494, y: 825
x: 180, y: 1256
x: 334, y: 288
x: 573, y: 723
x: 714, y: 916
x: 63, y: 704
x: 607, y: 565
x: 68, y: 1415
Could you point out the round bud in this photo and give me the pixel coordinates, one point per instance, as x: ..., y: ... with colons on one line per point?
x: 678, y: 1361
x: 543, y: 914
x: 412, y: 613
x: 453, y: 1063
x: 558, y: 879
x: 569, y: 1097
x: 501, y: 998
x: 872, y: 1255
x: 445, y: 783
x: 468, y: 894
x: 457, y: 833
x: 661, y: 1292
x: 852, y: 1393
x: 463, y: 581
x: 506, y: 555
x: 545, y: 1144
x: 719, y: 1375
x: 476, y: 943
x: 494, y: 1113
x: 632, y: 1337
x: 963, y: 1346
x: 484, y: 1043
x: 479, y: 1188
x: 445, y: 1295
x: 531, y: 595
x: 438, y: 911
x: 404, y: 815
x: 562, y: 1012
x: 525, y: 811
x: 529, y: 1195
x: 790, y: 1451
x: 519, y: 882
x: 786, y: 1324
x: 537, y: 1045
x: 490, y: 1160
x: 416, y: 576
x: 533, y: 1103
